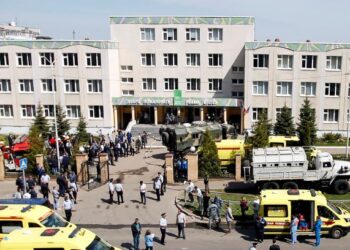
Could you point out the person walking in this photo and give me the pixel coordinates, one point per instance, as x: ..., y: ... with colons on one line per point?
x: 161, y: 178
x: 213, y: 215
x: 317, y: 228
x: 149, y: 240
x: 143, y: 188
x: 244, y: 207
x: 274, y: 246
x: 136, y: 232
x: 163, y: 225
x: 119, y: 189
x: 67, y: 206
x: 111, y: 189
x: 229, y: 217
x: 181, y: 224
x: 260, y: 224
x: 294, y: 228
x: 199, y: 194
x: 157, y: 186
x: 56, y: 198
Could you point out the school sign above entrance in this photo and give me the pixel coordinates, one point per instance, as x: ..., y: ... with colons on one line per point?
x: 182, y: 101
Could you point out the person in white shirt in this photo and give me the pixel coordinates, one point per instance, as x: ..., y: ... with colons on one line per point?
x: 229, y: 217
x: 163, y: 224
x: 67, y: 206
x: 45, y: 179
x: 181, y: 224
x: 111, y: 190
x: 27, y: 196
x: 199, y: 194
x: 143, y: 188
x: 188, y: 191
x: 161, y: 178
x: 119, y: 189
x: 157, y: 186
x: 56, y: 197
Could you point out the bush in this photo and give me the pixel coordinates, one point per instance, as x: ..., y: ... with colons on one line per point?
x: 331, y: 137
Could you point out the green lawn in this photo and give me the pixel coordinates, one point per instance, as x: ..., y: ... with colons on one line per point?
x: 336, y: 143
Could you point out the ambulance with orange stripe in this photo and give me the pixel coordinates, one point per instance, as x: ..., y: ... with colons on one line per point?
x: 278, y: 207
x: 29, y: 216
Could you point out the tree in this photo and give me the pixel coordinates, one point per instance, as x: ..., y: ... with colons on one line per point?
x: 261, y: 130
x: 82, y: 134
x: 209, y: 160
x: 284, y: 124
x: 63, y: 125
x: 307, y: 124
x: 40, y: 121
x: 37, y: 144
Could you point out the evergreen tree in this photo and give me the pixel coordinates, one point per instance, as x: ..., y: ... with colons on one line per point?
x: 307, y: 124
x: 284, y: 124
x: 82, y: 134
x: 209, y: 161
x: 63, y: 125
x: 36, y: 141
x: 261, y: 130
x: 40, y: 121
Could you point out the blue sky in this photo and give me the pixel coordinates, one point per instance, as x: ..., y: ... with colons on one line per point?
x: 292, y: 21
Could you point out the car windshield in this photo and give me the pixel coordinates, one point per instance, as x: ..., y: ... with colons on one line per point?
x: 54, y: 220
x: 334, y: 208
x: 99, y: 244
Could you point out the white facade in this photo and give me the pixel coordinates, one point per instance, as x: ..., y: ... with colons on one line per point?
x: 84, y: 71
x: 279, y: 73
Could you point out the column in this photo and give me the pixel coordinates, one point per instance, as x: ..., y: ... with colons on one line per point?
x: 104, y: 171
x: 80, y: 159
x: 238, y: 167
x: 202, y: 113
x: 132, y: 113
x: 39, y: 158
x: 155, y: 116
x: 225, y: 115
x: 169, y: 168
x: 115, y: 115
x: 192, y: 170
x: 2, y: 167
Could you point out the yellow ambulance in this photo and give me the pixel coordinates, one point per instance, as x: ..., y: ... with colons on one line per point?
x: 228, y: 149
x: 28, y: 216
x: 54, y: 238
x: 278, y: 207
x: 283, y: 141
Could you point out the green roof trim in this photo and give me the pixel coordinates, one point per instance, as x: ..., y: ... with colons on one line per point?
x: 301, y: 47
x: 184, y: 20
x: 38, y: 44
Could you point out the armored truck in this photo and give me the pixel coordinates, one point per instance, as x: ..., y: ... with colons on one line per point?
x: 288, y: 167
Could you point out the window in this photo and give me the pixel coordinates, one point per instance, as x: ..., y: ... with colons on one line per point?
x: 47, y: 86
x: 279, y: 111
x: 94, y: 86
x: 8, y: 226
x: 147, y: 34
x: 333, y: 62
x: 258, y: 112
x: 27, y: 111
x: 215, y: 34
x: 193, y: 84
x: 170, y: 34
x: 238, y: 81
x: 71, y: 86
x: 6, y: 111
x: 237, y: 94
x: 127, y: 80
x: 31, y: 224
x: 126, y: 67
x: 5, y: 86
x: 332, y: 89
x: 215, y: 60
x: 237, y: 69
x: 309, y: 62
x: 48, y: 110
x: 326, y: 213
x: 93, y: 59
x: 192, y: 34
x: 26, y: 86
x: 170, y: 59
x: 24, y: 59
x: 96, y: 112
x: 308, y: 89
x: 171, y: 83
x: 70, y: 59
x: 4, y: 59
x: 215, y: 84
x: 260, y: 88
x: 260, y: 61
x: 284, y: 61
x: 47, y: 59
x: 148, y: 59
x: 128, y: 92
x: 277, y: 211
x: 149, y: 84
x: 284, y: 88
x: 330, y: 115
x: 73, y: 111
x: 193, y: 59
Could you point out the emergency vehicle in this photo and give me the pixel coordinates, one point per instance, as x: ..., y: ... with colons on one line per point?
x: 54, y: 238
x: 28, y: 216
x: 278, y: 206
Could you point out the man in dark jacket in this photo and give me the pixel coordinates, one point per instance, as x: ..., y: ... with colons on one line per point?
x: 260, y: 224
x: 136, y: 231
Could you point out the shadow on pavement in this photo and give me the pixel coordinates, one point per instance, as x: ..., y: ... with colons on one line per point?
x: 160, y: 156
x: 127, y: 245
x: 171, y: 234
x: 105, y: 201
x: 135, y: 201
x: 151, y: 198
